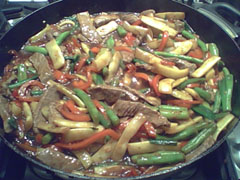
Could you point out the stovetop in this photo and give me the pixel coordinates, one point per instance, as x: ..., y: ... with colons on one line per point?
x: 222, y: 164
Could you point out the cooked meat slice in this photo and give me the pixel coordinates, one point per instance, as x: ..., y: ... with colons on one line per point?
x: 40, y: 63
x: 53, y: 112
x: 127, y: 56
x: 182, y: 64
x: 129, y: 108
x: 50, y: 95
x: 4, y: 113
x: 87, y: 27
x: 58, y: 160
x: 202, y: 148
x: 141, y: 95
x: 111, y: 94
x: 104, y: 19
x: 131, y: 18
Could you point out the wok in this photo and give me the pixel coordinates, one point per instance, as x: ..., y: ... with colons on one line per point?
x: 208, y: 30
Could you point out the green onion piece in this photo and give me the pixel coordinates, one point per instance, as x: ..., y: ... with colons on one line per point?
x: 97, y: 79
x: 110, y: 42
x: 37, y: 49
x: 22, y: 72
x: 121, y: 31
x: 37, y: 92
x: 61, y: 37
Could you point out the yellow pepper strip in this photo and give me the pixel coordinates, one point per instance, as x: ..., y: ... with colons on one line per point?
x: 85, y: 47
x: 137, y: 30
x: 182, y: 47
x: 84, y: 157
x: 155, y: 23
x: 193, y: 93
x: 165, y: 86
x: 104, y: 152
x: 73, y: 124
x: 78, y: 134
x: 113, y: 65
x: 52, y: 129
x: 67, y: 92
x: 56, y: 54
x: 179, y: 81
x: 190, y: 122
x: 171, y: 15
x: 181, y: 95
x: 222, y: 124
x: 210, y: 74
x: 147, y: 147
x: 28, y: 115
x: 65, y: 22
x: 205, y: 67
x: 128, y: 133
x: 107, y: 28
x: 147, y: 57
x: 40, y: 34
x: 102, y: 59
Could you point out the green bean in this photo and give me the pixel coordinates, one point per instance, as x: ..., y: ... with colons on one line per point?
x: 110, y: 42
x: 205, y: 112
x: 190, y: 81
x: 220, y: 115
x: 111, y: 114
x: 135, y: 60
x: 199, y: 139
x: 121, y: 31
x: 37, y: 92
x: 229, y: 90
x: 105, y: 71
x: 217, y: 102
x: 174, y: 108
x: 11, y: 86
x: 213, y: 49
x: 74, y: 58
x: 22, y: 72
x: 160, y: 36
x: 47, y: 138
x: 145, y: 90
x: 103, y: 121
x: 188, y: 34
x: 203, y: 94
x: 31, y: 70
x: 201, y: 125
x: 187, y: 58
x: 61, y: 37
x: 225, y: 71
x: 202, y: 45
x: 97, y: 79
x: 222, y: 89
x: 175, y: 114
x: 160, y: 157
x: 37, y: 49
x: 94, y: 113
x: 163, y: 142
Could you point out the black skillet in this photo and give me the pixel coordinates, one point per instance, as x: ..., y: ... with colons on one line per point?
x: 208, y: 30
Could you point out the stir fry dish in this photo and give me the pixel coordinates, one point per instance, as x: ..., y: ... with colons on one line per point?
x: 116, y: 94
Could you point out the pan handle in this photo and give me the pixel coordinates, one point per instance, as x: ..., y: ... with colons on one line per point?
x: 215, y: 12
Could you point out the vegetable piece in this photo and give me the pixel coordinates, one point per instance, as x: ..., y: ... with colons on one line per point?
x: 229, y: 90
x: 91, y: 57
x: 61, y: 37
x: 204, y: 94
x: 196, y: 53
x: 52, y: 129
x: 12, y: 122
x: 95, y: 50
x: 88, y: 141
x: 121, y: 31
x: 114, y: 65
x: 37, y: 49
x: 174, y: 112
x: 26, y: 147
x: 181, y: 127
x: 204, y: 111
x: 170, y: 15
x: 55, y: 53
x: 11, y: 86
x: 179, y: 81
x: 129, y: 39
x: 198, y: 140
x: 135, y: 60
x: 123, y: 48
x: 111, y: 114
x: 181, y: 94
x: 187, y: 58
x: 222, y: 124
x: 107, y: 28
x: 160, y: 157
x: 110, y: 42
x: 73, y: 124
x: 28, y: 115
x: 163, y: 41
x: 165, y: 86
x: 135, y: 29
x: 147, y: 147
x: 151, y: 131
x: 22, y: 72
x: 72, y: 107
x: 102, y: 59
x: 163, y: 142
x: 47, y: 138
x: 140, y: 74
x: 190, y: 81
x: 127, y: 134
x: 40, y: 34
x: 67, y: 92
x: 94, y: 113
x: 217, y: 102
x: 104, y: 152
x: 205, y: 67
x: 202, y: 45
x: 182, y: 47
x: 37, y: 93
x: 84, y: 157
x: 213, y: 49
x: 155, y: 23
x: 97, y: 79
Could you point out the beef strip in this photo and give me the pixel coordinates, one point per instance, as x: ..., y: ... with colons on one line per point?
x: 140, y: 95
x: 111, y: 94
x: 58, y: 160
x: 40, y: 63
x: 53, y: 112
x: 87, y: 28
x: 129, y: 108
x: 50, y: 95
x: 202, y: 148
x: 4, y: 113
x: 104, y: 19
x: 182, y: 64
x: 131, y: 18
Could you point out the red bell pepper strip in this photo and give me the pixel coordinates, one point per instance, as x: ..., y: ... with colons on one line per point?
x: 143, y: 76
x: 27, y: 147
x: 84, y: 85
x: 131, y: 68
x: 28, y: 99
x: 183, y: 103
x: 151, y: 131
x: 75, y: 42
x: 167, y: 63
x: 86, y: 142
x: 155, y: 82
x: 72, y: 107
x: 137, y: 22
x: 95, y: 49
x: 60, y: 76
x: 38, y: 138
x: 123, y: 48
x: 80, y: 64
x: 163, y: 41
x: 196, y: 53
x: 129, y: 39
